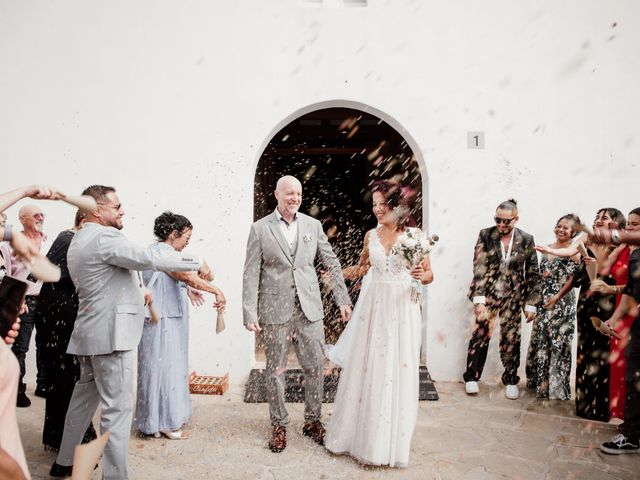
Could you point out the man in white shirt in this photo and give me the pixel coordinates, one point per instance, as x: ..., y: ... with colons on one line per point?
x: 506, y: 281
x: 32, y: 220
x: 281, y: 296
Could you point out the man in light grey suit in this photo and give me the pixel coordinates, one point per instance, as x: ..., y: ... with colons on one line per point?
x: 281, y: 296
x: 108, y: 328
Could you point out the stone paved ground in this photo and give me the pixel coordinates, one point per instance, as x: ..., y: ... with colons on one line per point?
x: 457, y: 437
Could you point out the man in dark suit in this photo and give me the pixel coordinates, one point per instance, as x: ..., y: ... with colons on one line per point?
x: 505, y: 282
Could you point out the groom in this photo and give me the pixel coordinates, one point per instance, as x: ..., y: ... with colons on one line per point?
x: 281, y: 296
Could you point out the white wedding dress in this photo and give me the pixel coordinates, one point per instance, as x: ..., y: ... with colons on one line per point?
x: 376, y: 405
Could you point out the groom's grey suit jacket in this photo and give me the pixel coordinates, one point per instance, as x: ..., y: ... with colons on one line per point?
x: 111, y: 311
x: 274, y: 274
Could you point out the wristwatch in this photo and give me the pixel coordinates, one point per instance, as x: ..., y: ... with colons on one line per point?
x: 615, y: 237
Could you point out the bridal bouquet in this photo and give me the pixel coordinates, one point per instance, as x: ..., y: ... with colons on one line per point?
x: 412, y: 247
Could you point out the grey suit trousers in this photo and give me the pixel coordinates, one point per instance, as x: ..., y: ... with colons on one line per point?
x: 309, y: 347
x: 105, y: 380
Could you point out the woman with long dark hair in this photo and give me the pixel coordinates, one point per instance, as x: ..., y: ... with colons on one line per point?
x: 376, y: 404
x: 618, y: 268
x: 593, y: 373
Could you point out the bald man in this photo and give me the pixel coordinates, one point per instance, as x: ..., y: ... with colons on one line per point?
x: 32, y: 220
x: 281, y: 296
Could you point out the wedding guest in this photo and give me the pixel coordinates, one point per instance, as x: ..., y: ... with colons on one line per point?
x: 5, y: 250
x: 281, y: 296
x: 108, y: 328
x: 163, y: 403
x: 592, y: 360
x: 32, y: 220
x: 549, y: 355
x: 5, y: 259
x: 20, y: 245
x: 618, y: 267
x: 506, y: 281
x: 376, y: 404
x: 55, y: 316
x: 628, y: 441
x: 12, y: 460
x: 9, y: 468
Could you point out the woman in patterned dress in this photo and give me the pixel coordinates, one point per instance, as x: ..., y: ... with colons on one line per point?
x: 549, y: 356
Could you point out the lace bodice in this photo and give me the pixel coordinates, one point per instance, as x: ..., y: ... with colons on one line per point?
x: 386, y: 267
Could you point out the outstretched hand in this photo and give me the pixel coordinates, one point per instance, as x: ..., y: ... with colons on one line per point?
x: 196, y: 297
x: 542, y: 249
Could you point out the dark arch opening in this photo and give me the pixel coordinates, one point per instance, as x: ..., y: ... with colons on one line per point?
x: 337, y: 154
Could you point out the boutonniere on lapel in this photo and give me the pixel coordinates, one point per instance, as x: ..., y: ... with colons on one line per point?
x: 306, y: 238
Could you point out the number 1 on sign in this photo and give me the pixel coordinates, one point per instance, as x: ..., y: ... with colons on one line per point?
x: 475, y: 140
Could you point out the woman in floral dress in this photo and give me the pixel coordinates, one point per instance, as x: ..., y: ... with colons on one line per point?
x: 549, y: 356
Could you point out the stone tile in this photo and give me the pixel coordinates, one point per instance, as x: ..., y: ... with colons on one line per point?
x: 456, y: 438
x: 572, y: 470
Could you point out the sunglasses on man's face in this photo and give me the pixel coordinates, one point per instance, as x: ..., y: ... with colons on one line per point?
x: 506, y: 221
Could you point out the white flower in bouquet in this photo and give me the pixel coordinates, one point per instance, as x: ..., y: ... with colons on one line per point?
x: 412, y: 246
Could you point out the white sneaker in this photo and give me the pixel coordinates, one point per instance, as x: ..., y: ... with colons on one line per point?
x: 471, y: 388
x: 512, y: 392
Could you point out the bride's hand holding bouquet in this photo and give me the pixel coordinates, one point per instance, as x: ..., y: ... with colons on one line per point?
x: 413, y: 247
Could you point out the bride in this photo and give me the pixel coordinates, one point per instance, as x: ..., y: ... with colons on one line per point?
x: 376, y: 404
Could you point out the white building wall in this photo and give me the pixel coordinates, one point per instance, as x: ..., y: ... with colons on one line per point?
x: 170, y: 102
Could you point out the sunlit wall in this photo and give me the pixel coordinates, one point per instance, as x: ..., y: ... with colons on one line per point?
x: 170, y: 102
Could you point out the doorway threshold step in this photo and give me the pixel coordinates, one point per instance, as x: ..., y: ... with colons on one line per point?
x: 256, y: 390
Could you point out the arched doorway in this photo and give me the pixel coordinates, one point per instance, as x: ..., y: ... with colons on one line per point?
x: 337, y: 150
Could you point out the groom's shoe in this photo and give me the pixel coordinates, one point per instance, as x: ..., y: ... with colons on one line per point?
x: 315, y: 430
x: 278, y: 440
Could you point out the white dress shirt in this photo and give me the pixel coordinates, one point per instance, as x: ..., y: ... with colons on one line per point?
x: 506, y: 255
x: 289, y: 230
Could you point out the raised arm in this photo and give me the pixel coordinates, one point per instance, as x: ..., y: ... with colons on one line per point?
x: 569, y: 251
x: 194, y: 281
x: 116, y: 250
x: 39, y: 192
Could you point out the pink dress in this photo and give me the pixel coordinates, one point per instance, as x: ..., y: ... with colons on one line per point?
x: 9, y: 434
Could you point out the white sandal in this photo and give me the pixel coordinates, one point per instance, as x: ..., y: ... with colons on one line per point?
x: 174, y: 435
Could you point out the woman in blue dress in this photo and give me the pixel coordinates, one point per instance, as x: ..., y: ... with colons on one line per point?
x: 163, y: 404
